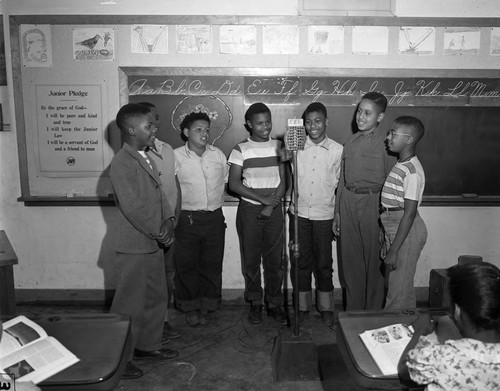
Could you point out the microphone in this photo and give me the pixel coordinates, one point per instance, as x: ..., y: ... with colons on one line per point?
x: 295, y: 137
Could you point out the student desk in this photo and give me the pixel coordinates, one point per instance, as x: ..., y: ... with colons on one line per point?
x: 102, y: 342
x: 8, y: 258
x: 359, y: 363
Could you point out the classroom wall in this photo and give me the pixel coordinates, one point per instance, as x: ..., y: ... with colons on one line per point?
x: 67, y: 247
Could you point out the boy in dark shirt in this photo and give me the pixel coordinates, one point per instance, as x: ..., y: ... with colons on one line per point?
x: 365, y: 165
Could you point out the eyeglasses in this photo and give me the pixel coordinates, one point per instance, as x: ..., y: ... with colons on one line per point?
x: 393, y: 133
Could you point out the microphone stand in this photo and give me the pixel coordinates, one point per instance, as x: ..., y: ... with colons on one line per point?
x: 294, y: 246
x: 295, y: 357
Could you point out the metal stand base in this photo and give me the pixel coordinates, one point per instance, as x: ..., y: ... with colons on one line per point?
x: 295, y: 357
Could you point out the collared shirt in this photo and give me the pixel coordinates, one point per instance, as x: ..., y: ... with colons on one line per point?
x: 164, y: 159
x: 365, y: 159
x: 202, y: 178
x: 406, y: 180
x: 365, y: 162
x: 463, y: 364
x: 318, y: 170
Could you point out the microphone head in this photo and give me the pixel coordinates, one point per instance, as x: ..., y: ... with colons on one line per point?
x: 295, y: 137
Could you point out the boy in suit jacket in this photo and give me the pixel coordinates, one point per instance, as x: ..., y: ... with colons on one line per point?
x: 143, y: 227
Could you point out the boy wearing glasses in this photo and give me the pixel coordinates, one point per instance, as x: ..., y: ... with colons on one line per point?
x: 405, y: 232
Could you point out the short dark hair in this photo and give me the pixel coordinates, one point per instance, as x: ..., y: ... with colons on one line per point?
x: 315, y: 107
x: 256, y: 108
x: 148, y: 104
x: 475, y: 288
x: 378, y: 99
x: 128, y: 112
x: 191, y: 117
x: 413, y: 124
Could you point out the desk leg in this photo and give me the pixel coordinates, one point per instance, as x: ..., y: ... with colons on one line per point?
x: 7, y: 293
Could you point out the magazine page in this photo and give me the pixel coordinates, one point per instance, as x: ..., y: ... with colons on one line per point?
x: 38, y: 360
x: 386, y: 345
x: 19, y: 332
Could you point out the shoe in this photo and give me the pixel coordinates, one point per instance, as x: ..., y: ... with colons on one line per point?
x: 193, y: 318
x: 327, y: 317
x: 333, y: 326
x: 255, y: 314
x: 207, y: 317
x: 131, y: 372
x: 160, y: 354
x: 277, y: 314
x: 169, y: 332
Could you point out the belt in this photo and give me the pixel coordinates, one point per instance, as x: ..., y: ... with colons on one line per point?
x: 200, y: 211
x: 391, y: 208
x: 364, y: 190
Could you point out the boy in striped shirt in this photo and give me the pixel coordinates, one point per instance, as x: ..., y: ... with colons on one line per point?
x: 258, y: 177
x: 404, y: 230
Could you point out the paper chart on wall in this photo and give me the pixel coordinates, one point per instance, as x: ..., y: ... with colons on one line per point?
x: 281, y: 40
x: 461, y: 40
x: 417, y: 40
x: 326, y: 40
x: 70, y: 135
x: 93, y: 44
x: 36, y: 45
x: 370, y: 39
x: 193, y: 39
x: 238, y: 40
x: 495, y: 41
x: 152, y: 39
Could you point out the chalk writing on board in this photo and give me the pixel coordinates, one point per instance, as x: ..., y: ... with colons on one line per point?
x: 330, y: 90
x: 70, y: 134
x: 185, y: 86
x: 217, y: 110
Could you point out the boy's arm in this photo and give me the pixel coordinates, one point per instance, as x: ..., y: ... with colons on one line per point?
x: 178, y: 206
x: 410, y: 211
x: 141, y: 213
x: 281, y: 189
x: 340, y: 189
x: 236, y: 185
x: 279, y: 192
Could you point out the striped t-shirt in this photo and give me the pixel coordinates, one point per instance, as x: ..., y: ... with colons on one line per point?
x: 406, y: 180
x: 260, y: 165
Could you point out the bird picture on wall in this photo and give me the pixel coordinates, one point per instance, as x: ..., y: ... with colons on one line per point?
x: 90, y: 42
x: 93, y: 44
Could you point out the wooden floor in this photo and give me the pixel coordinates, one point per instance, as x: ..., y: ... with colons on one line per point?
x: 228, y: 354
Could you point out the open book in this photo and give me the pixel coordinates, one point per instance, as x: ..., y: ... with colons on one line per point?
x: 27, y: 353
x: 386, y: 345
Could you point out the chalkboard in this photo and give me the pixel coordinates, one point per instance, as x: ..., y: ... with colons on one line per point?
x: 460, y: 151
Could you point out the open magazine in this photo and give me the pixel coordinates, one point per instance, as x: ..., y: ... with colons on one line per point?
x: 27, y: 353
x: 387, y: 344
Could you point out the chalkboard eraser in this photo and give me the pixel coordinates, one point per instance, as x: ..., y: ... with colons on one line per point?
x: 469, y: 195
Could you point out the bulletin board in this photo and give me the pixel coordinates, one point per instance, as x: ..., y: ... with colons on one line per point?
x: 71, y: 74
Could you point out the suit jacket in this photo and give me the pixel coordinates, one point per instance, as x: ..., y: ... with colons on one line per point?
x: 140, y: 200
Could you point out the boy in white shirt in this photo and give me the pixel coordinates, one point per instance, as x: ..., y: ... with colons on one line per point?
x: 318, y: 170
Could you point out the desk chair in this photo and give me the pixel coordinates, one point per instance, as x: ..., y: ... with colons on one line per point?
x: 102, y: 342
x: 360, y: 365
